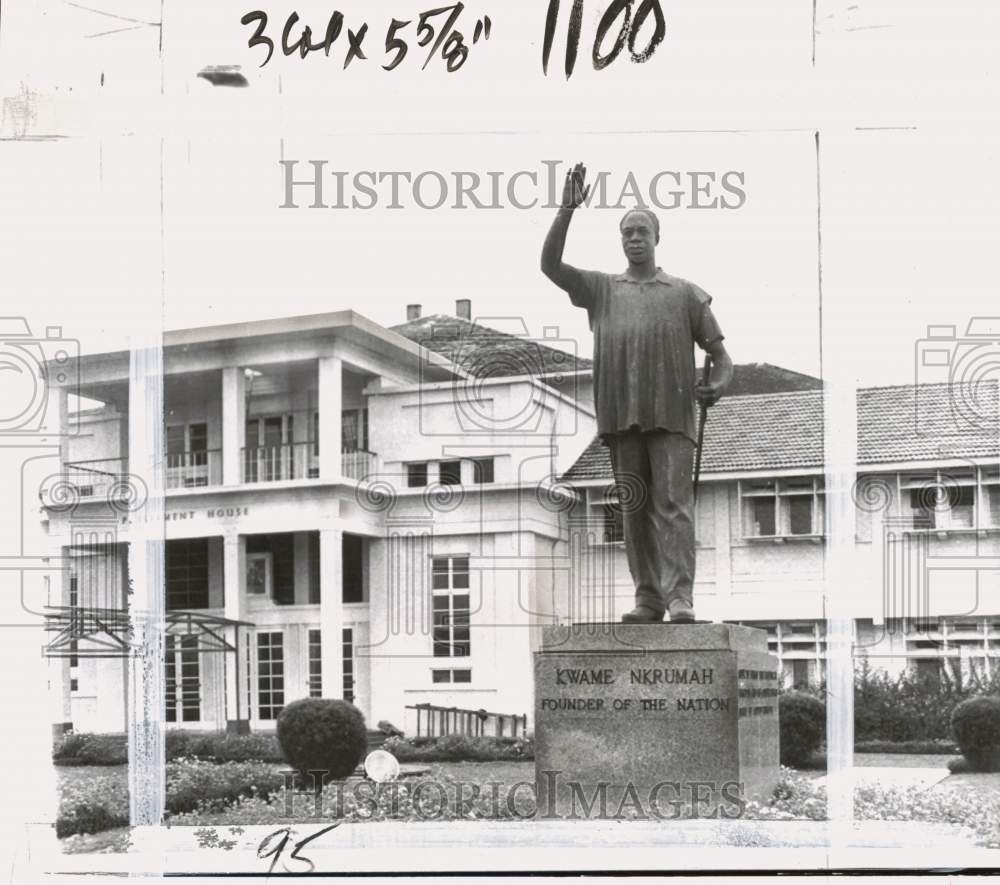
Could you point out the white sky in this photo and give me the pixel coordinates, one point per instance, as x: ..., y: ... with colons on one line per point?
x: 909, y: 227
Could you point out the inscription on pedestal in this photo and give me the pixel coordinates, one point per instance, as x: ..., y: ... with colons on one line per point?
x: 620, y: 702
x: 758, y: 693
x: 634, y: 708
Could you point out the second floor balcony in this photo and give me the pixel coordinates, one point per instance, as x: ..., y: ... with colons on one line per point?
x: 108, y: 478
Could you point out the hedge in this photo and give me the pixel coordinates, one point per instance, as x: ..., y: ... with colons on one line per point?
x: 322, y: 735
x: 91, y: 749
x: 461, y: 748
x: 112, y: 749
x: 976, y: 725
x: 926, y: 747
x: 801, y: 726
x: 905, y: 708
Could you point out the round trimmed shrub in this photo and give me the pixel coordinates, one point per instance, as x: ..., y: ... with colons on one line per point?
x: 322, y: 735
x: 802, y: 725
x: 976, y: 725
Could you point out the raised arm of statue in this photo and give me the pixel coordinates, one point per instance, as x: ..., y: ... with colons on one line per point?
x: 567, y: 277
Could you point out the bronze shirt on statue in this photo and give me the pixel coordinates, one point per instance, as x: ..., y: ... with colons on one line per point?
x: 644, y: 337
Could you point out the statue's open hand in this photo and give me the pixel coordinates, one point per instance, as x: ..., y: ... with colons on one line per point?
x: 574, y: 190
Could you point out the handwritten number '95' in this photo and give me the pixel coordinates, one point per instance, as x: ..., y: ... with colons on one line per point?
x: 275, y: 846
x: 628, y: 32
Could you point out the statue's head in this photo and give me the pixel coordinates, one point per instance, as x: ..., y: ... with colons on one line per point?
x: 640, y: 230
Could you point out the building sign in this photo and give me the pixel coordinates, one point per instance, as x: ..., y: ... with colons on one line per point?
x: 208, y: 513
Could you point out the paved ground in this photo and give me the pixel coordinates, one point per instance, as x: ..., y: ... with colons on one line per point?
x: 974, y: 784
x: 902, y: 760
x: 895, y: 776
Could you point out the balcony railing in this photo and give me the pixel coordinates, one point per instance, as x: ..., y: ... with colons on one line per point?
x: 281, y: 462
x: 102, y: 477
x: 357, y: 463
x: 188, y: 470
x: 98, y: 478
x: 299, y: 461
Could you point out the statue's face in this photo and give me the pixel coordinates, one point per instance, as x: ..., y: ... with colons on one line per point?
x: 638, y: 237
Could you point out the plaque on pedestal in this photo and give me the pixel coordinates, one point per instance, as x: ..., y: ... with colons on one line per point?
x: 654, y: 720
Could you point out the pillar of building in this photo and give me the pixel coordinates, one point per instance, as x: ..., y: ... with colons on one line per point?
x: 331, y: 372
x: 234, y: 421
x: 331, y: 609
x: 234, y: 601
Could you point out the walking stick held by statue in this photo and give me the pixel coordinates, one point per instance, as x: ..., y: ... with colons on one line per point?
x: 705, y: 378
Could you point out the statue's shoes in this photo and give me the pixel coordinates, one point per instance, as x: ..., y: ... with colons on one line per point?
x: 642, y: 614
x: 681, y: 614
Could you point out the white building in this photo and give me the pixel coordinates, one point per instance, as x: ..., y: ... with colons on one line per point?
x: 390, y: 515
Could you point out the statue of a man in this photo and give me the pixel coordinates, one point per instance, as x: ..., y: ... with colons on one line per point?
x: 645, y: 324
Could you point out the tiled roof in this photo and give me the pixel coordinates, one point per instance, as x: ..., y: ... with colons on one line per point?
x: 486, y: 352
x: 751, y: 378
x: 929, y: 422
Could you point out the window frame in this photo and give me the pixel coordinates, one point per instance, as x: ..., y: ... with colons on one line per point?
x: 479, y: 466
x: 781, y: 492
x: 172, y: 595
x: 314, y: 661
x: 451, y: 673
x: 275, y: 681
x: 420, y: 467
x: 178, y: 697
x: 451, y: 622
x: 979, y: 480
x: 454, y: 476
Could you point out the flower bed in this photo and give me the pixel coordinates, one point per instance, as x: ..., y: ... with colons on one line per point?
x: 95, y: 802
x: 797, y: 798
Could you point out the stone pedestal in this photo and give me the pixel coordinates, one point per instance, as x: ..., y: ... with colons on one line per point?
x: 654, y: 720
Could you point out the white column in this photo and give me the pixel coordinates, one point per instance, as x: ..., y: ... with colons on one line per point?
x: 331, y: 609
x: 330, y: 396
x: 234, y: 596
x: 233, y: 423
